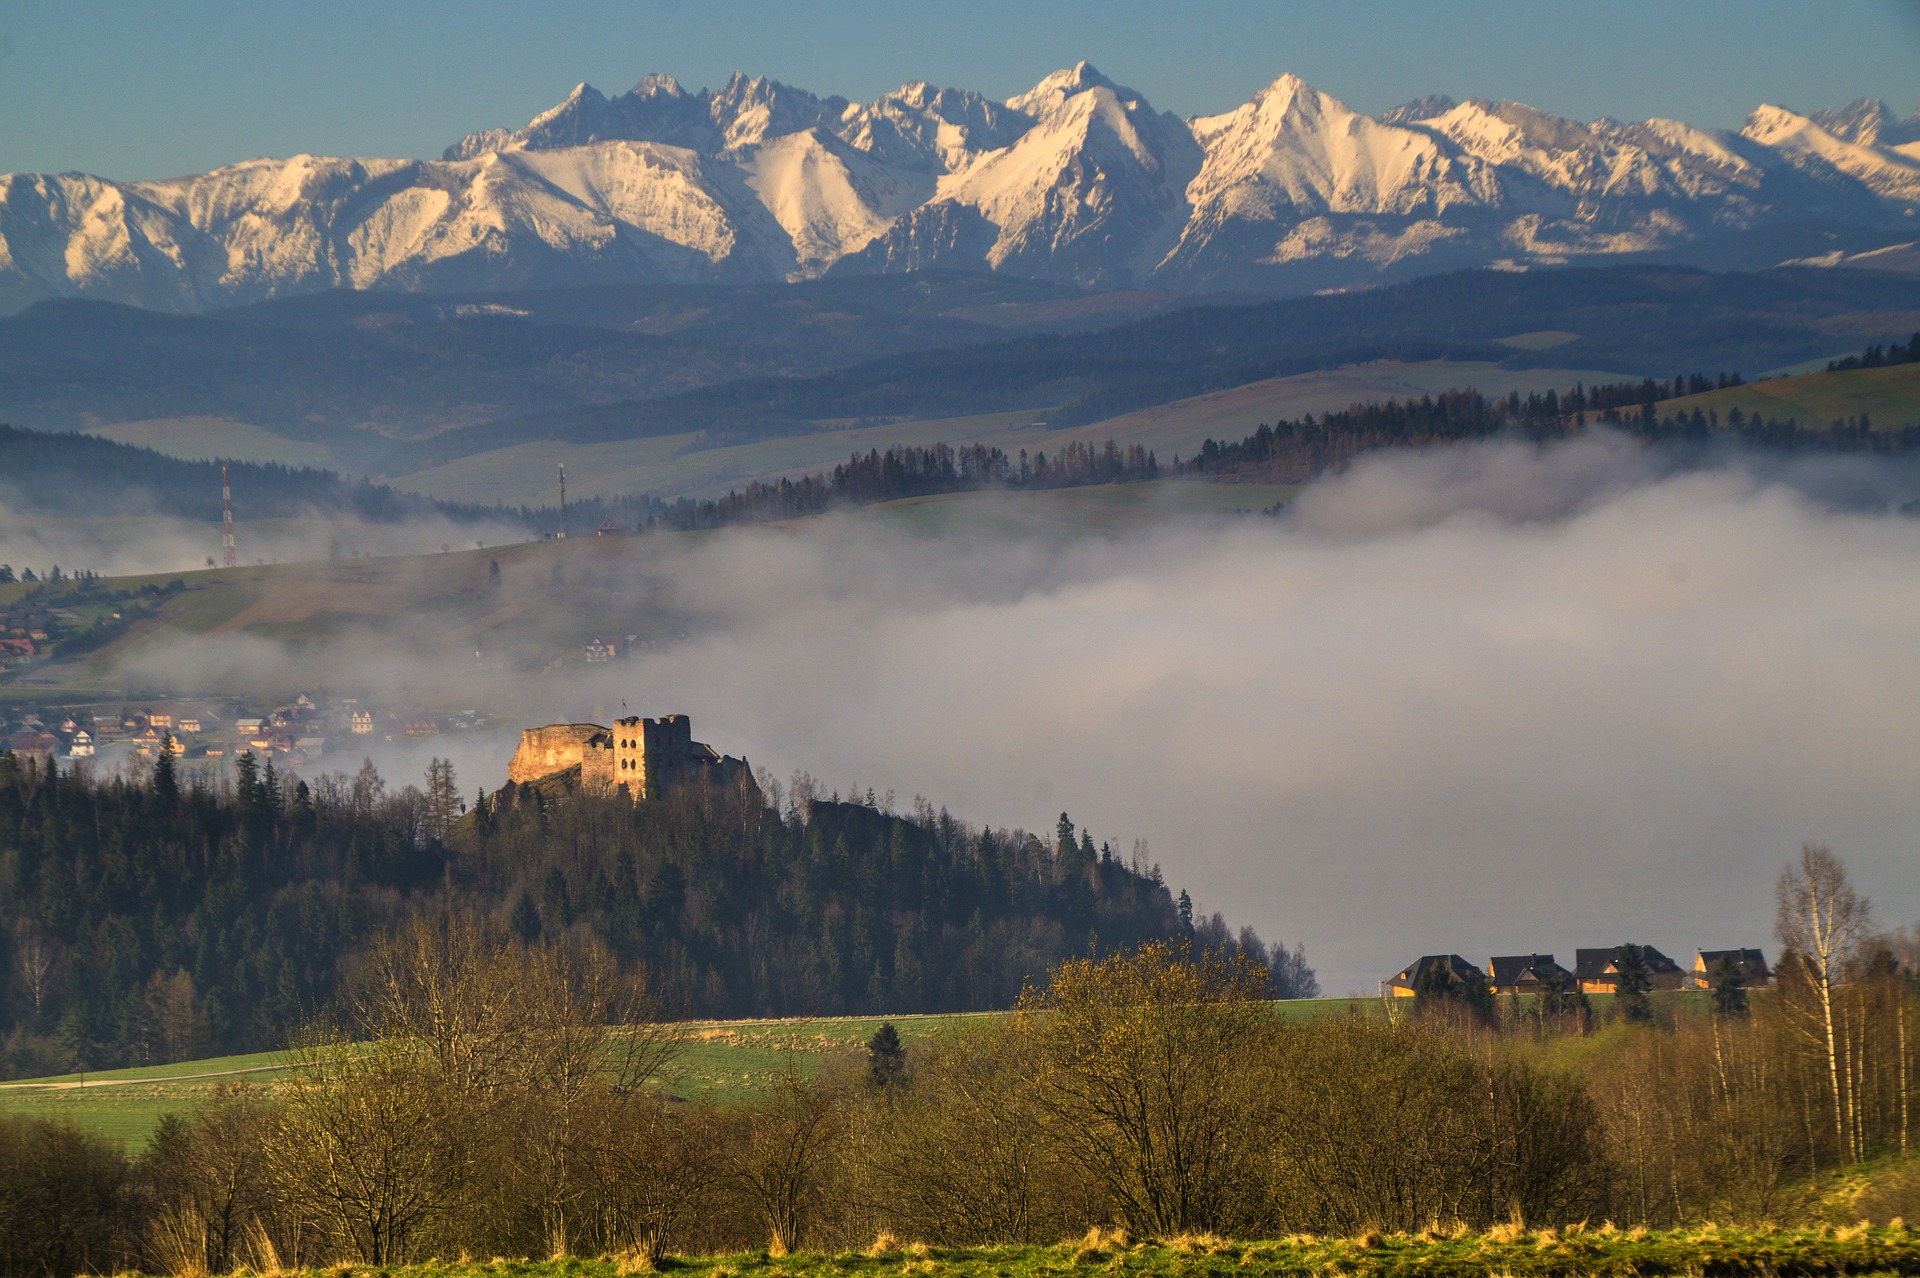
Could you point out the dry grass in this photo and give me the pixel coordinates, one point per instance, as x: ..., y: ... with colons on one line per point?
x: 1711, y: 1250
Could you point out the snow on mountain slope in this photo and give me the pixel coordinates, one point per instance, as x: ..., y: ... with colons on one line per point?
x: 1077, y: 179
x: 1086, y: 191
x: 829, y: 198
x: 937, y: 130
x: 1869, y: 122
x: 1807, y: 146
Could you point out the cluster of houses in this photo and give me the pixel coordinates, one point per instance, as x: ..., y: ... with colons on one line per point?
x: 301, y: 731
x: 1594, y: 971
x: 27, y: 627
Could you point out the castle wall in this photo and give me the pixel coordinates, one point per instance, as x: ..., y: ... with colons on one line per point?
x: 554, y: 748
x: 647, y: 756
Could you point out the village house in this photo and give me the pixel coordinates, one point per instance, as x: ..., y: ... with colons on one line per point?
x: 1596, y: 973
x: 599, y: 650
x: 31, y: 742
x: 1750, y: 966
x: 360, y: 723
x: 81, y: 744
x: 1527, y: 974
x: 1406, y: 982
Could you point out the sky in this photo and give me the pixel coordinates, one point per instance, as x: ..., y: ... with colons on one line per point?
x: 142, y: 90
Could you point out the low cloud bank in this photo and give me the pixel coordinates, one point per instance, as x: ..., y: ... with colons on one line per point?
x: 118, y: 542
x: 1487, y: 699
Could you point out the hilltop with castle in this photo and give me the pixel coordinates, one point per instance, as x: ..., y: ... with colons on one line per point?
x: 646, y: 757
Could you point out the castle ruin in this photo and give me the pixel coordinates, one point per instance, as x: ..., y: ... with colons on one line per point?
x: 646, y: 757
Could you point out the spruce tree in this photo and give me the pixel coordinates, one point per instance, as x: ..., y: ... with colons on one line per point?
x: 886, y: 1057
x: 166, y: 782
x: 1729, y: 991
x: 1632, y: 983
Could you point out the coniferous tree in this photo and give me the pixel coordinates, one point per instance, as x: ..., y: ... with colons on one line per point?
x: 1729, y: 991
x: 886, y: 1057
x: 1631, y: 984
x: 166, y: 782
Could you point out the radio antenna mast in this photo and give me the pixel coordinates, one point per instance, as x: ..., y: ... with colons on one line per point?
x: 227, y: 557
x: 563, y: 501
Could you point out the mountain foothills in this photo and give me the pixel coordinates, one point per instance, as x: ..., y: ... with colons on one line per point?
x: 165, y: 916
x: 1077, y: 180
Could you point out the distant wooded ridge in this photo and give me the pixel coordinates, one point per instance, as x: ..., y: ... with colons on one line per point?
x: 446, y: 378
x: 64, y: 472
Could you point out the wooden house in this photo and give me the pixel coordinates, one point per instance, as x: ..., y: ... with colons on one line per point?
x: 1406, y: 982
x: 1526, y: 973
x: 1595, y: 972
x: 1749, y: 965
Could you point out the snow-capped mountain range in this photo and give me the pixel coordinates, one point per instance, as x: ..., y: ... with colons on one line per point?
x: 1079, y: 179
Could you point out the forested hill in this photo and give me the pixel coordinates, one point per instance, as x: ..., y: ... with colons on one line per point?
x: 1296, y: 451
x: 64, y: 473
x: 169, y: 918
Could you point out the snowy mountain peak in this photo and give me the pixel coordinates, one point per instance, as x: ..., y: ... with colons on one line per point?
x: 1869, y: 122
x: 653, y: 85
x: 1434, y: 104
x: 1061, y: 87
x: 1077, y: 179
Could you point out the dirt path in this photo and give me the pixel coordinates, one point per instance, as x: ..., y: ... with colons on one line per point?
x: 136, y: 1082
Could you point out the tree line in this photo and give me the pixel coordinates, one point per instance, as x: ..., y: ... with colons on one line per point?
x: 64, y: 471
x: 1878, y: 356
x: 174, y: 913
x: 1297, y: 450
x: 478, y: 1093
x: 901, y: 471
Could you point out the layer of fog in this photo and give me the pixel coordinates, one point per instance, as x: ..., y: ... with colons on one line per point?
x: 1488, y: 699
x: 116, y: 541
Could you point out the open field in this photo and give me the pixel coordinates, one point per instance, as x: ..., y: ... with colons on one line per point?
x: 1604, y: 1252
x: 212, y: 438
x: 717, y: 1060
x: 678, y: 465
x: 1889, y: 396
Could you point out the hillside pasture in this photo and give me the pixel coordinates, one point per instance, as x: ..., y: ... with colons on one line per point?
x: 1890, y: 397
x: 716, y: 1060
x: 687, y: 465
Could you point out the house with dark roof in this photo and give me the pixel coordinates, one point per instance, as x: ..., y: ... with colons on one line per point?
x: 1750, y: 966
x: 1595, y: 972
x: 1406, y: 982
x: 1526, y: 973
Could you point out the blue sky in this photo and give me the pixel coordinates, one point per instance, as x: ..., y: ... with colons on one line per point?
x: 149, y: 88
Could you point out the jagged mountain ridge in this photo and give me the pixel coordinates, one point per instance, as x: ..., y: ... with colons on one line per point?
x: 1078, y: 180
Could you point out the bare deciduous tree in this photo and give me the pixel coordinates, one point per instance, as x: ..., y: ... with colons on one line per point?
x: 1145, y: 1066
x: 1820, y: 922
x: 783, y: 1151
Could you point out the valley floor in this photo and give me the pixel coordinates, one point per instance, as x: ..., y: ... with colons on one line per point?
x: 717, y: 1060
x: 1511, y: 1251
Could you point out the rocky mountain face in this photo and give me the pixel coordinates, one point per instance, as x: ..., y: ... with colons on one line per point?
x: 1078, y: 180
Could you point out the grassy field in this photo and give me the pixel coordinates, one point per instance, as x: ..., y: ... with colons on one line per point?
x: 1889, y: 396
x: 207, y: 438
x: 678, y: 465
x: 717, y: 1060
x: 1606, y: 1252
x: 1106, y: 509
